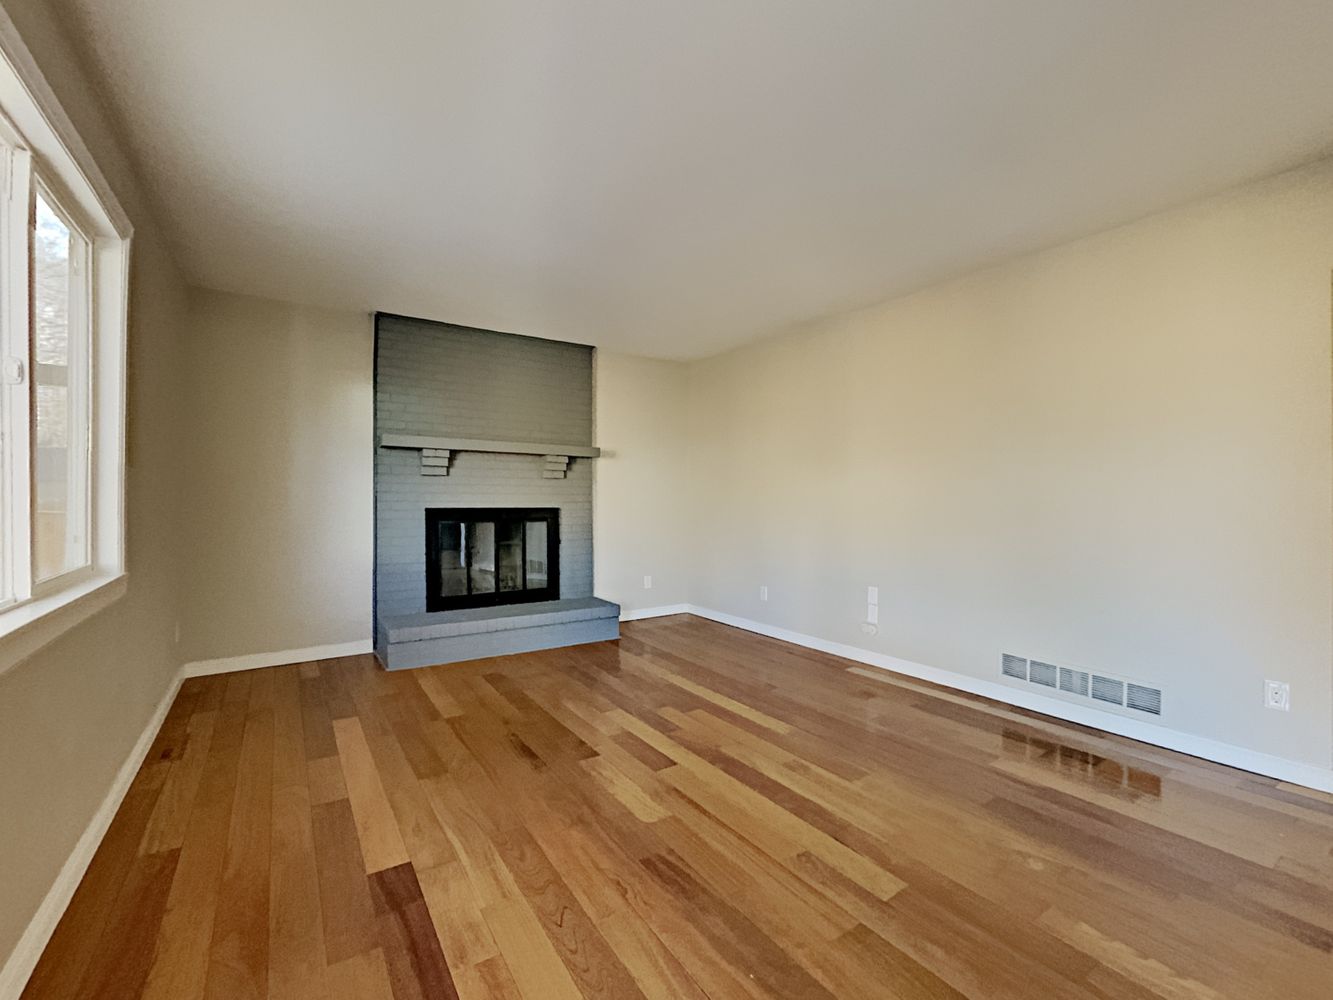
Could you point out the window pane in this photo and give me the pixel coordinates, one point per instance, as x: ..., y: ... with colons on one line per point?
x: 453, y: 573
x: 481, y: 556
x: 51, y: 252
x: 60, y: 433
x: 510, y: 552
x: 537, y: 574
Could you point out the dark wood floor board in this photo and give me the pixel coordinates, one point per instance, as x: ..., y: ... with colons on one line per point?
x: 411, y: 728
x: 71, y: 952
x: 170, y: 739
x: 166, y: 827
x: 408, y: 941
x: 210, y: 690
x: 333, y: 685
x: 316, y: 725
x: 236, y: 687
x: 346, y: 909
x: 180, y: 964
x: 296, y: 943
x: 118, y: 968
x: 297, y: 955
x: 238, y: 953
x: 691, y: 813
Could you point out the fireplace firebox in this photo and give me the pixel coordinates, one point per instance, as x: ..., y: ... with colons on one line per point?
x: 480, y: 557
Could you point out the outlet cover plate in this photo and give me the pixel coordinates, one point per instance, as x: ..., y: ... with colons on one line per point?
x: 1277, y: 695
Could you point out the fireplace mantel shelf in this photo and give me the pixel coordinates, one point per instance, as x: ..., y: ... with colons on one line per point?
x: 437, y: 452
x: 474, y: 444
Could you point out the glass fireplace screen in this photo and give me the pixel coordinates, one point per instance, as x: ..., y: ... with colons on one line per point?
x: 477, y: 557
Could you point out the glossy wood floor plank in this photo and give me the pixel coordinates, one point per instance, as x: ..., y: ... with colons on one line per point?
x: 691, y: 813
x: 238, y: 952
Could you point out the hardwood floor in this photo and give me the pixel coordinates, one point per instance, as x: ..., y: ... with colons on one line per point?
x: 692, y: 812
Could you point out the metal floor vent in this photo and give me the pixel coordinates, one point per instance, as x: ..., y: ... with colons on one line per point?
x: 1074, y: 681
x: 1098, y: 687
x: 1044, y: 674
x: 1108, y: 689
x: 1145, y: 699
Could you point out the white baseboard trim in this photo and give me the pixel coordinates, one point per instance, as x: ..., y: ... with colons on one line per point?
x: 22, y: 960
x: 658, y: 612
x: 253, y: 661
x: 1296, y: 772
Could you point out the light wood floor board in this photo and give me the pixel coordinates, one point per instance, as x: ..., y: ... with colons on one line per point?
x: 691, y: 812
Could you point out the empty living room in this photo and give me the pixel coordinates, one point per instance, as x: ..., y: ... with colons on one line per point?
x: 747, y: 500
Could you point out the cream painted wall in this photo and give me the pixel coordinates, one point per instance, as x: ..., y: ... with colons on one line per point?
x: 279, y: 533
x: 640, y: 524
x: 1114, y: 454
x: 70, y: 714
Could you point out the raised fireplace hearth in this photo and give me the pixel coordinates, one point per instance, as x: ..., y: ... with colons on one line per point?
x: 407, y: 641
x: 481, y: 557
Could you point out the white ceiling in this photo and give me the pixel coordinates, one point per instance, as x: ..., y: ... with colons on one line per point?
x: 674, y: 177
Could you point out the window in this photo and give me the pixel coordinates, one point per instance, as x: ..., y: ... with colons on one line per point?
x: 60, y: 363
x: 64, y: 245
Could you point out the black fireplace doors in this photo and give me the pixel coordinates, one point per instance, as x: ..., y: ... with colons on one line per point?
x: 479, y: 557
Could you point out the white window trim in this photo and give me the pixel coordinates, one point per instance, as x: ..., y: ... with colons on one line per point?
x: 68, y: 168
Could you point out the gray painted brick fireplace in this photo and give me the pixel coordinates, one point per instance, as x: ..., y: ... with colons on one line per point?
x: 446, y: 380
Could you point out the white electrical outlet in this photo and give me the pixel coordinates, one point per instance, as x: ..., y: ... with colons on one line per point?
x: 869, y: 629
x: 647, y: 583
x: 1277, y: 695
x: 763, y: 593
x: 872, y: 614
x: 872, y: 595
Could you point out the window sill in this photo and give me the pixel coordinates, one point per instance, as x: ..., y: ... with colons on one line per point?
x: 27, y: 628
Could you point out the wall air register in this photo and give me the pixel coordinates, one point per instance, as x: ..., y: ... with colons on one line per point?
x: 1099, y: 687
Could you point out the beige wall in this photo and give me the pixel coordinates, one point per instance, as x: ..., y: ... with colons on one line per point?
x: 279, y: 527
x: 1114, y: 454
x: 640, y: 524
x: 70, y: 715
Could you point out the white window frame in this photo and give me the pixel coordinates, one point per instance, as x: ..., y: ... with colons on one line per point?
x: 40, y: 149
